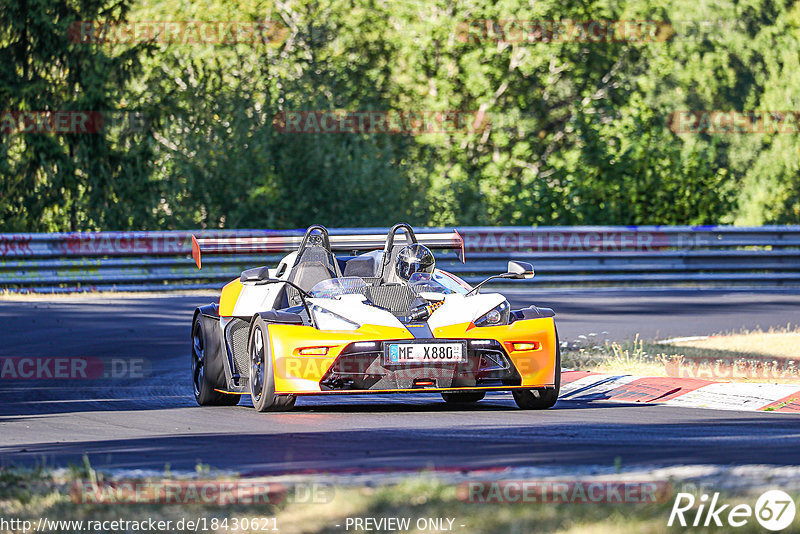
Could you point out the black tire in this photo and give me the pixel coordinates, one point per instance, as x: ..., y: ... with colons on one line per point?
x: 208, y: 371
x: 463, y: 397
x: 541, y: 398
x: 262, y: 377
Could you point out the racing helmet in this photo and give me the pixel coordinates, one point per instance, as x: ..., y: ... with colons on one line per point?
x: 412, y: 259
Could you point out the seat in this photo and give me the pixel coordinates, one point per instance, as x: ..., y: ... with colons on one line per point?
x: 363, y: 266
x: 390, y: 291
x: 388, y: 258
x: 314, y: 265
x: 366, y: 266
x: 388, y: 272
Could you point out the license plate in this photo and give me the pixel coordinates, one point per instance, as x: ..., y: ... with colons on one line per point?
x: 398, y: 353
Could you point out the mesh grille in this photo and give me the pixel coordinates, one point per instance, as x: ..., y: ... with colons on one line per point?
x: 395, y: 298
x: 236, y: 334
x: 363, y: 369
x: 293, y: 296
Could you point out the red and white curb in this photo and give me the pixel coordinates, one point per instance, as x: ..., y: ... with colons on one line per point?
x: 687, y: 392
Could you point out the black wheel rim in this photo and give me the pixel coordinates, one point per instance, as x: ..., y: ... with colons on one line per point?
x: 257, y: 364
x: 198, y: 358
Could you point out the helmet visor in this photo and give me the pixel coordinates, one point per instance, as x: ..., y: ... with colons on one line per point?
x: 414, y: 259
x: 406, y: 268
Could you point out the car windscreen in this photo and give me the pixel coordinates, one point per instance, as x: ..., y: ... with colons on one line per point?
x: 328, y: 289
x: 436, y: 282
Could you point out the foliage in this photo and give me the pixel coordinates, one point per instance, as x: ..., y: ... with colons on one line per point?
x: 69, y: 182
x: 572, y: 131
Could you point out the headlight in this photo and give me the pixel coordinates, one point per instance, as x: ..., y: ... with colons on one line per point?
x: 496, y: 316
x: 327, y: 320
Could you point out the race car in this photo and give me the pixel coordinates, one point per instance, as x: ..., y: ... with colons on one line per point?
x: 365, y: 314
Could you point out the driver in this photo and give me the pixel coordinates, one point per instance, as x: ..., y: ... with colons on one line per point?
x: 412, y: 259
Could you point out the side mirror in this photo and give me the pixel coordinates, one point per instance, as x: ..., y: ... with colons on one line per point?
x: 258, y: 274
x: 520, y: 270
x: 517, y: 270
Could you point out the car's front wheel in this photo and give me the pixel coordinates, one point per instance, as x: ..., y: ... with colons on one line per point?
x: 536, y: 398
x: 262, y: 376
x: 463, y: 397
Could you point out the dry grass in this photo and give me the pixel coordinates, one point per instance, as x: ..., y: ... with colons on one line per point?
x: 633, y: 357
x: 30, y: 495
x: 771, y: 344
x: 771, y: 356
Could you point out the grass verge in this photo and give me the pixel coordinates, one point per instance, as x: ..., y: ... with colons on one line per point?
x: 33, y: 494
x: 756, y: 356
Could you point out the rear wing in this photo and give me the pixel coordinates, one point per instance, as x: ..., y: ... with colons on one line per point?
x: 352, y: 243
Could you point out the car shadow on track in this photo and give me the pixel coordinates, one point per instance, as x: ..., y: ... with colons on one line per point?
x: 676, y: 436
x: 494, y: 405
x: 38, y: 404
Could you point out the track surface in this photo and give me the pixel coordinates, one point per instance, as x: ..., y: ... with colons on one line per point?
x: 149, y: 421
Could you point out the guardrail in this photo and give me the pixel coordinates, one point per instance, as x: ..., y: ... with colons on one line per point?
x: 643, y: 255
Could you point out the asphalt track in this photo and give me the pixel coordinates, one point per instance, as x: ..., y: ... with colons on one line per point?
x: 147, y: 418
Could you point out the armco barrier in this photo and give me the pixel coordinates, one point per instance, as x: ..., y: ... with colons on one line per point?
x: 652, y: 255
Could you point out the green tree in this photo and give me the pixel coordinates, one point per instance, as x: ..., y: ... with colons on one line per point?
x: 224, y: 162
x: 68, y: 181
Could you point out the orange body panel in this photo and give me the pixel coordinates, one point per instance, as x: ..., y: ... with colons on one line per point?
x: 295, y: 373
x: 228, y: 298
x: 302, y: 374
x: 537, y: 367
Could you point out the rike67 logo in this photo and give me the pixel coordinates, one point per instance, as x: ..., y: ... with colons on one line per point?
x: 774, y: 510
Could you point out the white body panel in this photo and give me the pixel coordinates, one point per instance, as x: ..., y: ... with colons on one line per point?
x: 254, y: 299
x: 354, y: 308
x: 458, y: 309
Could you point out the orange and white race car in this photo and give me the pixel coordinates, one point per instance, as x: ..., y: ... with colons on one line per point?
x: 350, y: 314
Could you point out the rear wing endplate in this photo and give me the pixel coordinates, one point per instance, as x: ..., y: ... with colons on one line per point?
x: 343, y: 243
